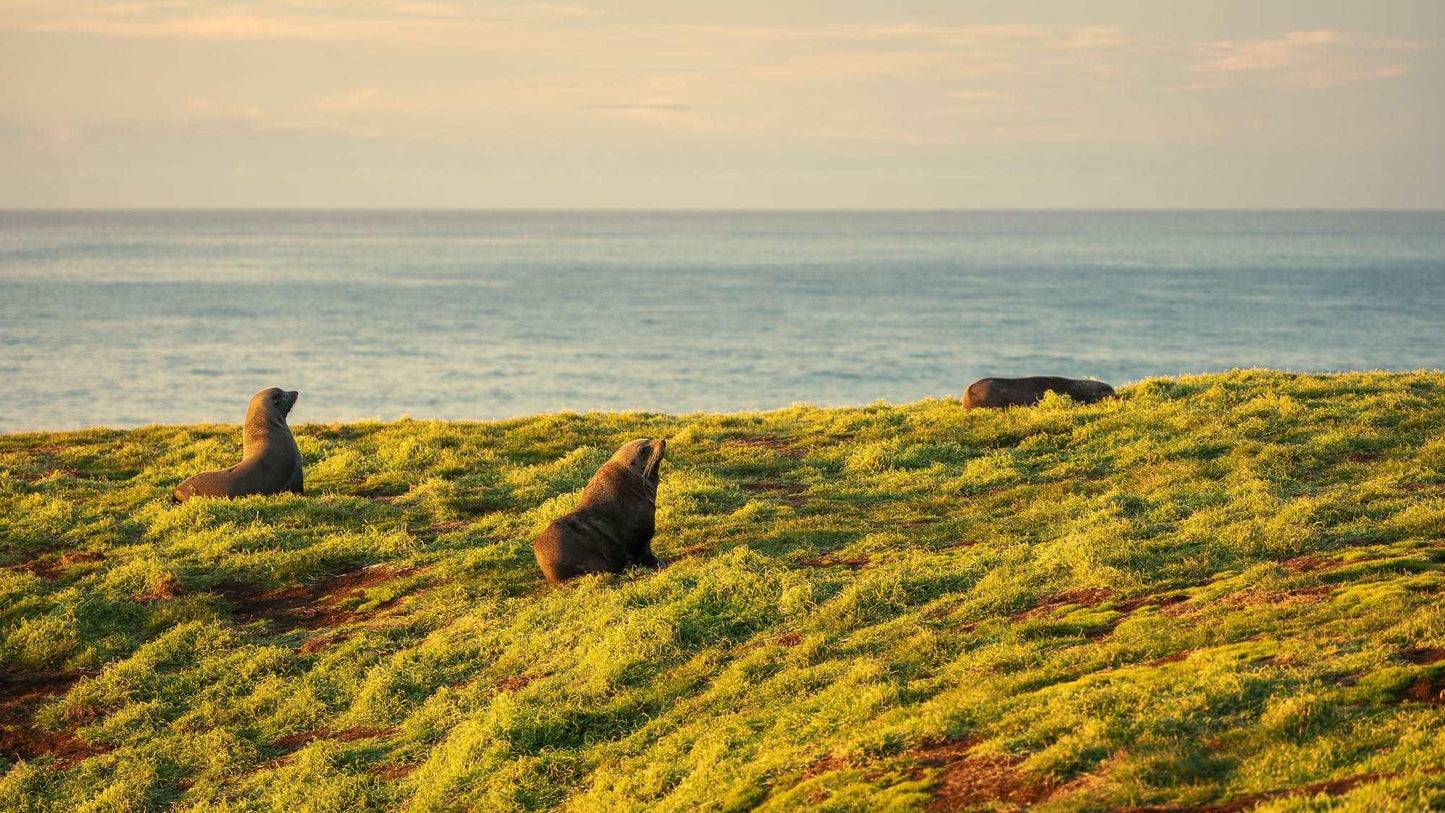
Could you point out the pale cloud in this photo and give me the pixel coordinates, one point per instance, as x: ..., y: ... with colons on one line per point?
x: 494, y: 79
x: 318, y: 20
x: 1300, y: 60
x: 911, y: 84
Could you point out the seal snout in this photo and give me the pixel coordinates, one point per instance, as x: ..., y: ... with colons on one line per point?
x: 288, y: 400
x: 659, y: 449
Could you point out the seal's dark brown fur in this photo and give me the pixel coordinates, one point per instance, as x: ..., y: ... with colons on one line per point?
x: 270, y: 462
x: 1006, y: 392
x: 611, y: 529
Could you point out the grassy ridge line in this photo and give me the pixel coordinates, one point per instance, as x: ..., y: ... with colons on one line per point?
x: 1216, y: 590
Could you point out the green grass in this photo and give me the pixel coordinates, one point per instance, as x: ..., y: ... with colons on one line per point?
x: 1214, y: 590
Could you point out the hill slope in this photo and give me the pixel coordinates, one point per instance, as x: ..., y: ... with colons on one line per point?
x: 1219, y: 590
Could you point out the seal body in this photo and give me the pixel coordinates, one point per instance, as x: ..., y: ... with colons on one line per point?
x: 270, y: 462
x: 611, y: 529
x: 1007, y: 392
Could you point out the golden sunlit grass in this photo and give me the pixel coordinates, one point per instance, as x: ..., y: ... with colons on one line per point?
x: 1214, y: 590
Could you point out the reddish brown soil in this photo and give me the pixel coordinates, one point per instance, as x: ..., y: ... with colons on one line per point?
x: 390, y: 771
x: 969, y: 780
x: 1311, y: 564
x: 1427, y: 689
x: 824, y: 764
x: 169, y: 588
x: 294, y: 742
x: 53, y: 568
x: 789, y: 639
x: 1424, y: 655
x: 313, y: 606
x: 20, y: 694
x: 318, y: 643
x: 1082, y: 597
x: 516, y: 683
x: 1417, y: 487
x: 1299, y: 595
x: 1130, y: 605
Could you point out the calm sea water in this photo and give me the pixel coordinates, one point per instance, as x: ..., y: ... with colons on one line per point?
x: 129, y: 318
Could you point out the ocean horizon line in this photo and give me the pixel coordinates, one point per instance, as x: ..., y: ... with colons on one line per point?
x: 719, y: 210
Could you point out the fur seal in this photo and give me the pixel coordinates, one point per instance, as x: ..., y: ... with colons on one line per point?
x: 611, y: 529
x: 1006, y: 392
x: 270, y: 462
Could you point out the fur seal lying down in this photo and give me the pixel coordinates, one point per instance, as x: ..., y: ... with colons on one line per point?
x: 611, y: 529
x: 270, y: 462
x: 1006, y: 392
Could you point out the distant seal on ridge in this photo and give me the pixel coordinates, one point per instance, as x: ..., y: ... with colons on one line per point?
x: 1006, y: 392
x: 611, y: 529
x: 270, y: 462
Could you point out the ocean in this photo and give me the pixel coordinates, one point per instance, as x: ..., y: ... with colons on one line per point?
x: 129, y: 318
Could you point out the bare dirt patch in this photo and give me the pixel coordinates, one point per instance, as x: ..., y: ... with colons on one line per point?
x: 390, y: 771
x: 516, y: 683
x: 824, y: 764
x: 294, y: 742
x: 850, y: 562
x: 313, y: 606
x: 1423, y: 655
x: 1312, y: 563
x: 1299, y: 595
x: 1167, y: 600
x: 168, y: 588
x: 1413, y: 488
x: 1427, y: 689
x: 1081, y: 597
x: 52, y: 568
x: 965, y: 779
x: 1174, y: 658
x: 20, y: 694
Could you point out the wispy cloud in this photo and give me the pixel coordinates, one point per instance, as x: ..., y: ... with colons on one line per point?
x: 318, y: 20
x: 500, y: 72
x: 1299, y: 60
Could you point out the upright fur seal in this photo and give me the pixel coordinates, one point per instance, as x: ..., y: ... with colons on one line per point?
x: 270, y: 462
x: 611, y: 529
x: 1006, y: 392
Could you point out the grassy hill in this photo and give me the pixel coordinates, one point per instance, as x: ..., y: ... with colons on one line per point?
x: 1219, y: 592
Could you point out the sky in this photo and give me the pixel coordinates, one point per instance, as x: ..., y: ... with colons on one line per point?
x: 762, y: 104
